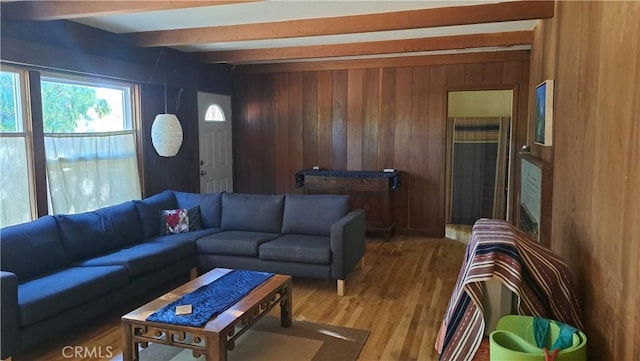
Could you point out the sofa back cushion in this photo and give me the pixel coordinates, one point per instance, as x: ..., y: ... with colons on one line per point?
x: 313, y: 214
x: 31, y: 249
x: 90, y: 234
x: 210, y: 206
x: 252, y: 212
x: 149, y: 211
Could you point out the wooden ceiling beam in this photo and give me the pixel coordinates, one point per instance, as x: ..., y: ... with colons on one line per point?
x: 394, y: 62
x: 399, y: 20
x: 65, y: 9
x: 369, y: 48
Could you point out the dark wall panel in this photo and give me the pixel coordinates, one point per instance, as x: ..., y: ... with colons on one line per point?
x: 355, y: 85
x: 295, y: 128
x: 402, y: 132
x: 417, y: 147
x: 267, y: 136
x: 387, y: 118
x: 370, y: 119
x: 325, y: 126
x: 309, y: 119
x: 282, y: 149
x: 435, y: 155
x: 339, y: 125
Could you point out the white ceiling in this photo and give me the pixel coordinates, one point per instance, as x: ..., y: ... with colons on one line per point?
x: 255, y: 12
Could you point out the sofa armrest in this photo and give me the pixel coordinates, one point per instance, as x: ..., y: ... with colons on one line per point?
x: 10, y: 325
x: 347, y: 243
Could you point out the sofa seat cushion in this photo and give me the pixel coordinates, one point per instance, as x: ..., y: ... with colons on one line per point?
x: 238, y: 243
x: 145, y: 257
x: 188, y: 237
x: 54, y: 293
x: 297, y: 248
x: 31, y: 249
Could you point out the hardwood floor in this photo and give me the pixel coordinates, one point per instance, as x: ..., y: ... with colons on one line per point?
x: 400, y: 296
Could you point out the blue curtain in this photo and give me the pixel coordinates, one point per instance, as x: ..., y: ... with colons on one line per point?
x: 476, y: 147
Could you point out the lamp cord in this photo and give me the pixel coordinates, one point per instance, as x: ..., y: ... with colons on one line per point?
x: 165, y: 84
x: 179, y: 99
x: 153, y: 72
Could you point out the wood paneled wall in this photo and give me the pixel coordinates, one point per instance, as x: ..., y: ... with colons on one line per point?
x: 592, y: 51
x: 360, y: 119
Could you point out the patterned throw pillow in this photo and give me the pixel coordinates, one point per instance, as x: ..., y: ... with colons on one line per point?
x: 180, y: 220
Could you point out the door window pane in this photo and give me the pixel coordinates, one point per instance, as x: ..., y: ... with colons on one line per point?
x: 214, y: 114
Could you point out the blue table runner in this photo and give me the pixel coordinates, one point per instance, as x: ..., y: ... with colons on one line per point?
x: 212, y: 299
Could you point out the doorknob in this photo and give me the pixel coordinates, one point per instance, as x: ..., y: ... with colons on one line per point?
x: 203, y: 172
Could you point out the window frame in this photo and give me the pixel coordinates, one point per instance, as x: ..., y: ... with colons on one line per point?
x: 132, y: 102
x: 132, y: 120
x: 33, y: 124
x: 24, y: 92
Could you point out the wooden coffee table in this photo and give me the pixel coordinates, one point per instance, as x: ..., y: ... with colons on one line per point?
x: 217, y: 336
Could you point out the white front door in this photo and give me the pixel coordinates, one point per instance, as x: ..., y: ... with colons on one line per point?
x: 214, y: 126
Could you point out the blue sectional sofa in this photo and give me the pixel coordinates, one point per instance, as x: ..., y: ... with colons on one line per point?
x: 59, y: 271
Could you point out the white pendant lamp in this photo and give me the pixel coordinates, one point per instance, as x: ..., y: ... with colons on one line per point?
x: 166, y: 131
x: 166, y: 135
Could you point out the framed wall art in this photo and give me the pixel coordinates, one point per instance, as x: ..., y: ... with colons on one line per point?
x: 543, y: 122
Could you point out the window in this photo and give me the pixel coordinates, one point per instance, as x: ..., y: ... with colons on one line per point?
x: 214, y: 114
x: 15, y: 158
x: 90, y: 146
x: 90, y: 153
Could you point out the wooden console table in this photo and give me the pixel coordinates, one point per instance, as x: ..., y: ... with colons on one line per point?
x: 371, y: 191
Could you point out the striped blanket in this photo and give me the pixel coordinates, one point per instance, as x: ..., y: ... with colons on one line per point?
x: 538, y: 277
